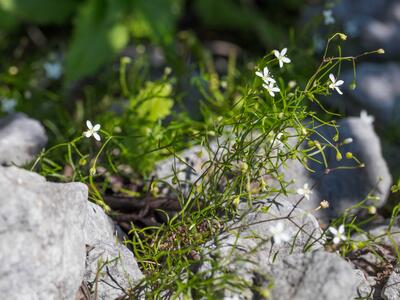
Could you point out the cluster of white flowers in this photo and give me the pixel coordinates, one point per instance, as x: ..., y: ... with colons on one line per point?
x: 269, y: 83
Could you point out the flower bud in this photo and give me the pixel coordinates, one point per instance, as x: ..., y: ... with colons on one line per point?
x: 343, y: 36
x: 339, y: 156
x: 324, y: 204
x: 349, y: 155
x: 372, y: 210
x: 380, y: 51
x: 348, y: 141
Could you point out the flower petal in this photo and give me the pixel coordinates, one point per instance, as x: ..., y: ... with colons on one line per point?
x: 280, y: 63
x: 286, y: 60
x: 332, y: 78
x: 89, y: 124
x: 339, y: 82
x: 336, y: 240
x: 96, y: 127
x: 283, y: 52
x: 276, y: 53
x: 338, y: 90
x: 259, y: 74
x: 96, y: 136
x: 333, y: 230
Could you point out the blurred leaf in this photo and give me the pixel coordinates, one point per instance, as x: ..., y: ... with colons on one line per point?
x: 156, y: 19
x: 154, y: 101
x: 39, y: 11
x: 227, y: 14
x: 99, y: 34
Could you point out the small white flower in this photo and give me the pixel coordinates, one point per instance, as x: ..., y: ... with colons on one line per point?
x: 305, y: 191
x: 265, y: 76
x: 271, y: 89
x: 8, y: 105
x: 53, y: 70
x: 338, y: 234
x: 281, y: 57
x: 328, y: 18
x: 92, y: 130
x: 278, y: 233
x: 365, y: 117
x: 335, y: 84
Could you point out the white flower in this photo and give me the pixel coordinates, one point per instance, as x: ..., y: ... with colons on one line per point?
x: 265, y: 76
x: 335, y: 84
x: 365, y: 117
x: 53, y: 70
x: 338, y: 234
x: 8, y: 105
x: 278, y: 233
x: 328, y: 18
x: 271, y: 89
x: 281, y: 57
x: 92, y: 130
x: 305, y: 191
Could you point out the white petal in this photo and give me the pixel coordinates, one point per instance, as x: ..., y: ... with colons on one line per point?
x: 341, y: 228
x: 96, y: 136
x: 333, y: 230
x: 343, y: 237
x: 339, y: 82
x: 283, y: 52
x: 332, y: 78
x: 275, y: 89
x: 96, y: 127
x: 286, y: 60
x: 338, y: 90
x: 336, y: 240
x: 300, y: 191
x: 259, y: 74
x: 276, y: 53
x: 271, y: 93
x: 89, y: 124
x: 265, y: 71
x: 280, y: 63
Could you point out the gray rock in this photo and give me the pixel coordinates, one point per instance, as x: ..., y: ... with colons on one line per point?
x: 372, y: 24
x: 391, y: 290
x: 343, y: 188
x: 378, y: 92
x: 42, y: 247
x: 111, y: 268
x: 21, y: 139
x: 249, y: 247
x: 315, y: 275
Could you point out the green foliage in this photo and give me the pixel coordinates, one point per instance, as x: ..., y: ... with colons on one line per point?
x: 39, y: 11
x: 98, y: 36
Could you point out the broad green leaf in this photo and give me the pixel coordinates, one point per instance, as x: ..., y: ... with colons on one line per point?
x: 99, y: 34
x: 154, y: 101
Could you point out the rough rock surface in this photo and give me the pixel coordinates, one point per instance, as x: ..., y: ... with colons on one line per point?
x: 42, y: 249
x: 104, y: 247
x: 344, y: 187
x: 372, y: 24
x: 313, y: 275
x: 53, y: 239
x: 247, y: 248
x: 377, y: 92
x: 391, y: 290
x: 21, y: 139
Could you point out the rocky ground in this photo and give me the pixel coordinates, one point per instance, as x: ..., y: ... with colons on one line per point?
x: 55, y: 244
